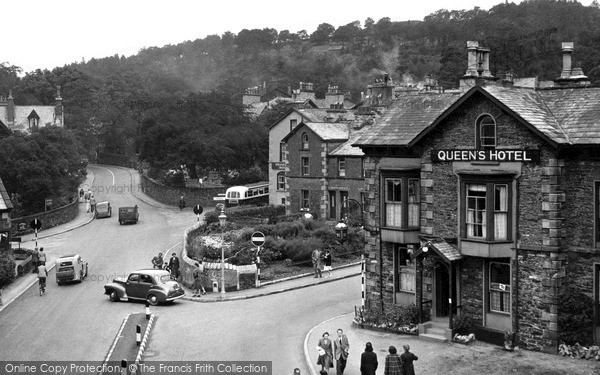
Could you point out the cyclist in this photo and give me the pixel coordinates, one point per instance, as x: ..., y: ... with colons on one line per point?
x: 42, y: 274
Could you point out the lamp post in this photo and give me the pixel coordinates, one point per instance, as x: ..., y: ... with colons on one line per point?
x: 341, y: 231
x: 222, y: 221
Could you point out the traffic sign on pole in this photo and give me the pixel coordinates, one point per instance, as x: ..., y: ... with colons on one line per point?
x: 258, y: 239
x: 36, y: 224
x: 198, y: 209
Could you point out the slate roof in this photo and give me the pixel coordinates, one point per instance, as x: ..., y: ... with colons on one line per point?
x: 328, y: 131
x: 5, y: 202
x: 561, y: 115
x: 439, y: 245
x: 406, y: 118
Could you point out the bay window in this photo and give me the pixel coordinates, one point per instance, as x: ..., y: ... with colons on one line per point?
x: 402, y: 200
x: 487, y: 210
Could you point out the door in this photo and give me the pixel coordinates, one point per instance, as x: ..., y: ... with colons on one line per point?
x: 332, y: 205
x: 343, y: 204
x: 442, y: 291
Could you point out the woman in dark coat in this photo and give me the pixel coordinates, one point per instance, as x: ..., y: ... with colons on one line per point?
x: 325, y: 360
x: 407, y: 361
x: 368, y: 361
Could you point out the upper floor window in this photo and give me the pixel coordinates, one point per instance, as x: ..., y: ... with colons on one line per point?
x: 304, y: 165
x: 305, y: 141
x: 486, y: 132
x: 487, y: 211
x: 402, y: 202
x: 342, y: 167
x: 33, y: 123
x: 281, y: 181
x: 293, y: 123
x: 282, y: 151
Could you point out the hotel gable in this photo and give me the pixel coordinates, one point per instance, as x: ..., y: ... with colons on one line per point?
x: 485, y: 204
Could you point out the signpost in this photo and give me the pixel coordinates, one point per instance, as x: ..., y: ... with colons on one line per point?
x: 198, y: 210
x: 258, y: 239
x: 36, y: 225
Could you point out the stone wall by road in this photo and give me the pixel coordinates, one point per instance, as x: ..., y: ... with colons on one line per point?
x: 49, y: 219
x: 170, y: 195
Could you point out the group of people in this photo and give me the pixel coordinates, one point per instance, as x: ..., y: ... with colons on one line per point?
x: 316, y: 258
x: 90, y: 201
x: 337, y: 349
x: 172, y: 266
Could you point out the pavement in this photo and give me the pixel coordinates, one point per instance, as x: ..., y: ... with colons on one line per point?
x: 358, y: 337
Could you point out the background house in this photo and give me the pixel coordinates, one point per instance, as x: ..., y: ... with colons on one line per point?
x: 30, y: 116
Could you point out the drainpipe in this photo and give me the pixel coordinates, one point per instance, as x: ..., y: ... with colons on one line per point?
x: 380, y: 263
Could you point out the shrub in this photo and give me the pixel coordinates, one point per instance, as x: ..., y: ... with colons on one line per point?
x: 403, y: 316
x: 463, y: 324
x: 576, y: 318
x: 299, y: 250
x: 7, y: 270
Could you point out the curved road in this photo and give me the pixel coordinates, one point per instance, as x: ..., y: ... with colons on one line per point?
x: 77, y: 322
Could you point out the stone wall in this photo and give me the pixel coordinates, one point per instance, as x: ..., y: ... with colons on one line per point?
x: 472, y: 282
x: 49, y: 219
x: 170, y: 195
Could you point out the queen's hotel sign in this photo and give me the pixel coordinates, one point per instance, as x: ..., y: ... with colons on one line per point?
x: 487, y: 155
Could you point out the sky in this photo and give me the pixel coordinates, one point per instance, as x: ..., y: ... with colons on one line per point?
x: 42, y: 34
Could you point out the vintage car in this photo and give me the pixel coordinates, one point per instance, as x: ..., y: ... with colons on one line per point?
x: 152, y: 285
x: 70, y: 268
x: 103, y: 209
x: 128, y: 214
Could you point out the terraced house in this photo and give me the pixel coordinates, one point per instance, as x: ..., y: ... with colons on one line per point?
x: 486, y: 204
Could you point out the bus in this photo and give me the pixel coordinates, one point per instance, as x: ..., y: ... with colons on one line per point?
x: 251, y: 194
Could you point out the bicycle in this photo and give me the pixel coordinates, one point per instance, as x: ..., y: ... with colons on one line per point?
x: 42, y: 282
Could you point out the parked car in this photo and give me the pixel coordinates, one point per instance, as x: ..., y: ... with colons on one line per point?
x: 128, y: 214
x: 103, y: 209
x: 70, y: 268
x: 152, y: 285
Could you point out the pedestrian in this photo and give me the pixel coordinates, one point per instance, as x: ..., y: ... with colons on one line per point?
x: 41, y: 257
x: 197, y: 281
x: 296, y: 371
x: 81, y: 194
x: 157, y: 261
x: 327, y: 261
x: 407, y: 361
x: 35, y: 260
x: 174, y: 266
x: 325, y: 354
x: 316, y: 260
x: 88, y: 195
x: 93, y: 203
x: 182, y: 201
x: 340, y: 351
x: 368, y: 361
x: 393, y: 363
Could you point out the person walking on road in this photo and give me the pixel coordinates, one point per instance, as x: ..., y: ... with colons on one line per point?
x: 393, y: 363
x: 316, y: 261
x: 407, y: 361
x: 182, y: 202
x: 174, y: 266
x: 41, y: 257
x: 340, y: 351
x: 368, y: 361
x: 157, y: 261
x: 197, y: 281
x: 327, y: 261
x: 93, y: 203
x: 325, y: 353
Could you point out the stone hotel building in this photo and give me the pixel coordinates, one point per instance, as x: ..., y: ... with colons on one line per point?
x: 485, y: 203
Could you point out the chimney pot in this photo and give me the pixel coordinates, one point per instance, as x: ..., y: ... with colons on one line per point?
x: 567, y: 51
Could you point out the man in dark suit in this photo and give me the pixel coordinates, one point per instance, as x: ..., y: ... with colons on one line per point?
x: 174, y: 266
x: 340, y: 353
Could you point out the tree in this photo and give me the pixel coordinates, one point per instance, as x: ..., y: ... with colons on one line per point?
x: 322, y: 34
x: 348, y: 33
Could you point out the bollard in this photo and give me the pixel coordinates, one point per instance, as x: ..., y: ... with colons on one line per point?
x: 147, y: 310
x: 215, y: 286
x: 138, y: 334
x: 123, y: 367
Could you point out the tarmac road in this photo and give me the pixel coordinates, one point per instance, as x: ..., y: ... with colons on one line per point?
x: 76, y: 321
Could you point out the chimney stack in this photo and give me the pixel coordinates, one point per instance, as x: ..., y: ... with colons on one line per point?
x: 10, y: 109
x: 567, y: 51
x: 472, y: 47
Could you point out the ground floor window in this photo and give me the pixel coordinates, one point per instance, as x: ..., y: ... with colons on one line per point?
x: 499, y: 287
x: 305, y: 199
x: 405, y: 269
x: 597, y: 212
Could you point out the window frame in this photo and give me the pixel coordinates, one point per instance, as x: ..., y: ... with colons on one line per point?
x: 408, y: 269
x: 490, y: 183
x: 293, y: 123
x: 341, y: 167
x: 403, y: 203
x: 282, y: 157
x: 304, y: 200
x: 479, y: 134
x: 305, y: 165
x: 505, y: 294
x: 304, y: 141
x: 280, y: 174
